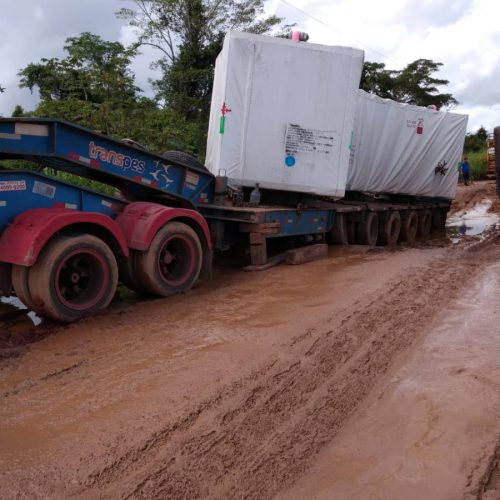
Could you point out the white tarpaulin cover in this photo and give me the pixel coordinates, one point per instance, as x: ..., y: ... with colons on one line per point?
x: 399, y: 148
x: 282, y: 113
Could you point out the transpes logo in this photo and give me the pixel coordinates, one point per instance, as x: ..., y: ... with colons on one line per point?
x: 117, y: 159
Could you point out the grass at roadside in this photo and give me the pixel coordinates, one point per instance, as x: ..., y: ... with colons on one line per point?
x: 478, y: 164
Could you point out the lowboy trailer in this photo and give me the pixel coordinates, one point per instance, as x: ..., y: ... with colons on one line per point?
x: 64, y: 248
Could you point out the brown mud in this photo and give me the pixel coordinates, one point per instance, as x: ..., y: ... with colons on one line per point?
x: 240, y: 388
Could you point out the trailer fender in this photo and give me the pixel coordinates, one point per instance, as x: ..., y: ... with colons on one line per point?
x: 140, y: 221
x: 23, y: 240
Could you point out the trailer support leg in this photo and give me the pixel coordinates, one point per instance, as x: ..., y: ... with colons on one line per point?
x: 258, y: 249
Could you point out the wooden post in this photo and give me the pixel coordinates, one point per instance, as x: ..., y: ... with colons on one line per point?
x: 258, y: 250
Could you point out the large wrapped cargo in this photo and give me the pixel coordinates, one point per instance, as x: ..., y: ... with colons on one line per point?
x: 404, y: 149
x: 282, y: 113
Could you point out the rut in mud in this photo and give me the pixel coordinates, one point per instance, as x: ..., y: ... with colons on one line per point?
x: 257, y: 435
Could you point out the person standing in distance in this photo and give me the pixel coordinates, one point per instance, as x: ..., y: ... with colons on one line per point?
x: 466, y: 170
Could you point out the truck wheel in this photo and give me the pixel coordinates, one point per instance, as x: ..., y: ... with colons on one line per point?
x: 390, y: 229
x: 424, y: 225
x: 20, y: 276
x: 184, y: 159
x: 409, y: 227
x: 339, y: 230
x: 73, y: 277
x: 368, y: 230
x: 173, y: 261
x: 128, y: 272
x: 438, y: 225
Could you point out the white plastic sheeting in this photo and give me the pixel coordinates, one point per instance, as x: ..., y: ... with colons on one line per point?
x: 282, y: 113
x: 399, y: 148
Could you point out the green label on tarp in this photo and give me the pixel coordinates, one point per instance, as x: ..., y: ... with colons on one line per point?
x: 222, y: 124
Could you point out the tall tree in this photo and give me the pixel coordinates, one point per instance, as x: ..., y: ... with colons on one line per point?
x: 188, y: 35
x: 94, y: 70
x: 94, y: 86
x: 477, y: 141
x: 414, y: 84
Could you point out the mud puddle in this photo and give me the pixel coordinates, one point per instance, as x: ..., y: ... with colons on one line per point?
x: 474, y: 221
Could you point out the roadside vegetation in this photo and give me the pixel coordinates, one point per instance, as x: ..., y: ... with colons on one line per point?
x: 475, y: 150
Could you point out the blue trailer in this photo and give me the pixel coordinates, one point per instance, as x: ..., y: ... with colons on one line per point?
x: 64, y: 248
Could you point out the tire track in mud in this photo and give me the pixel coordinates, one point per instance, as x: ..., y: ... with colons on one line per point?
x: 484, y: 480
x: 32, y: 383
x: 258, y: 435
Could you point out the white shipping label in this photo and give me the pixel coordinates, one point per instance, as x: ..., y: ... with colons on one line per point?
x: 304, y: 140
x: 12, y: 185
x: 44, y: 189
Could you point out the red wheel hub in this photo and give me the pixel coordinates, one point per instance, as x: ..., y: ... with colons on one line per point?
x: 176, y: 260
x: 81, y: 279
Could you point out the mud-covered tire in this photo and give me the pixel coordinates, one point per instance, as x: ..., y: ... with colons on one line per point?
x: 438, y: 226
x: 184, y: 159
x: 351, y: 232
x: 20, y: 277
x: 368, y: 230
x: 424, y: 225
x: 409, y: 227
x: 338, y: 234
x: 128, y: 272
x: 173, y: 261
x: 390, y: 229
x: 73, y: 277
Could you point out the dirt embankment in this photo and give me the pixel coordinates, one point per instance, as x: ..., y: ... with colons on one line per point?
x: 469, y: 196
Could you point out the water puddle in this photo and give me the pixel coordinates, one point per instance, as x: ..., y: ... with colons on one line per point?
x: 12, y: 304
x: 472, y: 222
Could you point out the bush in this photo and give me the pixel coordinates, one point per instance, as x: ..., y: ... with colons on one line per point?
x: 478, y: 164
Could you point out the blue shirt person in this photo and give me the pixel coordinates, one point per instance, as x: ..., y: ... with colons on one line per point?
x: 465, y: 167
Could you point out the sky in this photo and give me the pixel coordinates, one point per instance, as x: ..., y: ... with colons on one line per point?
x: 464, y: 35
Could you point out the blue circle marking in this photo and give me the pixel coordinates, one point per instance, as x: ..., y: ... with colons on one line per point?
x: 290, y: 161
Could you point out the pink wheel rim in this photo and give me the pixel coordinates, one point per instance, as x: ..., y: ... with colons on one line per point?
x: 81, y: 279
x: 176, y: 260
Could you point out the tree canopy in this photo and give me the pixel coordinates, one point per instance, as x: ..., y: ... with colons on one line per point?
x: 188, y: 35
x: 94, y: 71
x: 94, y: 86
x: 414, y: 84
x: 476, y: 142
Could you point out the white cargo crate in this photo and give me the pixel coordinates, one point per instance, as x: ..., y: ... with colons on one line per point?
x: 282, y: 113
x: 405, y: 149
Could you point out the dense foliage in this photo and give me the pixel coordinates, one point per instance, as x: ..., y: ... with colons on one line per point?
x: 188, y: 36
x: 476, y: 142
x: 414, y: 84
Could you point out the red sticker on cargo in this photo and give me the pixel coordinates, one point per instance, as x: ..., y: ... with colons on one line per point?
x: 12, y: 186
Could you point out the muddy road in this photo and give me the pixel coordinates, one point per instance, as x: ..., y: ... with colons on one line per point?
x: 370, y: 374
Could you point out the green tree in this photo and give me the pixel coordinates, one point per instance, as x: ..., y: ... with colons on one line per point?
x: 94, y: 87
x: 94, y: 70
x: 414, y: 84
x: 476, y: 142
x: 18, y: 111
x: 188, y: 35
